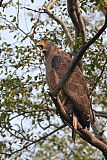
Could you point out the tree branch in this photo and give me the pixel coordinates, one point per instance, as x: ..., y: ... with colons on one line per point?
x: 91, y: 139
x: 100, y: 114
x: 5, y: 4
x: 80, y: 29
x: 81, y: 22
x: 34, y: 10
x: 76, y: 60
x: 75, y: 15
x: 58, y: 20
x: 1, y: 2
x: 101, y: 143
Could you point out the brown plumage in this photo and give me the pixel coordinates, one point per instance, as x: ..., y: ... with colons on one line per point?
x: 73, y: 97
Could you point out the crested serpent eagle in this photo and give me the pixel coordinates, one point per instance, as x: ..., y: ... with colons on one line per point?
x: 73, y: 97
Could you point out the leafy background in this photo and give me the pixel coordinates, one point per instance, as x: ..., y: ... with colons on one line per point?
x: 26, y: 111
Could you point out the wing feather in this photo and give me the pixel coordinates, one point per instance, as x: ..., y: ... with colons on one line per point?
x: 75, y: 87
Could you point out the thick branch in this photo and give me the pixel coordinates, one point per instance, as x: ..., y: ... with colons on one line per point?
x: 76, y: 60
x: 58, y: 20
x: 80, y: 29
x: 98, y: 131
x: 91, y: 139
x: 84, y: 133
x: 72, y: 14
x: 75, y: 15
x: 101, y: 144
x: 81, y: 22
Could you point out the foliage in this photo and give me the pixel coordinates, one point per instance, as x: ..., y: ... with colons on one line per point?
x: 26, y: 111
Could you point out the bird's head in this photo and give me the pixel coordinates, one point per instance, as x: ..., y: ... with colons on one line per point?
x: 42, y: 44
x: 47, y: 47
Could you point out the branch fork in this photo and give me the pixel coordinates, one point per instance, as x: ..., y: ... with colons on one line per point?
x: 47, y: 10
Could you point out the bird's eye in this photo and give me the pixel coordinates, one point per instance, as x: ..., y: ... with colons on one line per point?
x: 45, y: 41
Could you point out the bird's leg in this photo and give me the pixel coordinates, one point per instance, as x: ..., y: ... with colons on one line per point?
x: 63, y: 102
x: 75, y: 121
x: 61, y: 106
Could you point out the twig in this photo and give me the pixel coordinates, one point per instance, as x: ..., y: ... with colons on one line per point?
x: 6, y: 110
x: 100, y: 114
x: 1, y: 2
x: 17, y: 134
x: 58, y: 20
x: 18, y: 13
x: 76, y: 60
x: 34, y: 142
x: 23, y: 112
x: 18, y: 28
x: 35, y: 24
x: 48, y: 126
x: 4, y: 5
x: 34, y: 10
x: 98, y: 78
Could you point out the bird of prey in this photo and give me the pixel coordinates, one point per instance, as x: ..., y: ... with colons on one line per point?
x: 73, y: 97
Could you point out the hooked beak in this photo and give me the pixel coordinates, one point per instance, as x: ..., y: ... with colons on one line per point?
x: 40, y: 46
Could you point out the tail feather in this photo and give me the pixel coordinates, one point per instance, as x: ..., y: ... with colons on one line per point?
x: 73, y: 134
x: 75, y: 122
